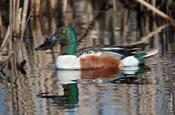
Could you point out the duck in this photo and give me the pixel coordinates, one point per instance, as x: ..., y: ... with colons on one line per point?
x: 91, y: 58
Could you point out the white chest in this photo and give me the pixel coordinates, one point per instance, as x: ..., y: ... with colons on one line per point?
x: 67, y: 62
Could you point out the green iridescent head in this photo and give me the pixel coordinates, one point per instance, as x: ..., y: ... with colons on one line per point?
x: 68, y: 40
x: 66, y: 37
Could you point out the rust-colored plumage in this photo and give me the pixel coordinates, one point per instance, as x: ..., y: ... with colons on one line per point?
x: 103, y: 61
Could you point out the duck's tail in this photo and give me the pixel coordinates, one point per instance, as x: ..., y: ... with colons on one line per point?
x: 138, y: 58
x: 150, y: 53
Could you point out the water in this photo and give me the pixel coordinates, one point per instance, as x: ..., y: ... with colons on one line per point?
x: 46, y: 91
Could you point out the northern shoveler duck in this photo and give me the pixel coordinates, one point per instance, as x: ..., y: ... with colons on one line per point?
x: 91, y: 58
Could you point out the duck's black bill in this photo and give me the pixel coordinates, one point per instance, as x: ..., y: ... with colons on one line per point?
x: 48, y: 43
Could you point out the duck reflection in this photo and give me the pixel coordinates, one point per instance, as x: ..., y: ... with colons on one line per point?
x: 132, y: 75
x: 70, y: 76
x: 69, y: 100
x: 70, y: 88
x: 70, y: 97
x: 68, y: 79
x: 126, y: 75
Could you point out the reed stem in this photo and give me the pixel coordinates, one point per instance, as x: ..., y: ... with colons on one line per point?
x: 157, y: 11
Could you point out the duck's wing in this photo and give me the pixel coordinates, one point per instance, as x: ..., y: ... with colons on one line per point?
x: 119, y: 51
x: 123, y: 51
x: 126, y: 49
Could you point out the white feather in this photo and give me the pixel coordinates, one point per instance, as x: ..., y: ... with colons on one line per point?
x: 68, y: 62
x: 129, y: 61
x: 90, y: 53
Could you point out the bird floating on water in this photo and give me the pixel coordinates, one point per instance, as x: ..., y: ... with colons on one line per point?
x: 96, y: 58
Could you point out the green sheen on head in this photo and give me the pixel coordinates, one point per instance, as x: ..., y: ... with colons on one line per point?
x: 71, y: 33
x: 70, y: 39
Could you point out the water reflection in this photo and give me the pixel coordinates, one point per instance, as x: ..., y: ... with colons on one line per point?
x: 133, y: 75
x: 69, y: 100
x: 109, y: 75
x: 3, y: 106
x: 70, y: 79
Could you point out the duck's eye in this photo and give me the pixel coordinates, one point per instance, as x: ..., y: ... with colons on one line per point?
x: 63, y: 31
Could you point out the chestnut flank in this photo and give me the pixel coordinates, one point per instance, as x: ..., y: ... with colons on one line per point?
x: 95, y: 62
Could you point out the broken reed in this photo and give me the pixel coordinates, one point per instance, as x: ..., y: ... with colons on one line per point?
x: 17, y: 26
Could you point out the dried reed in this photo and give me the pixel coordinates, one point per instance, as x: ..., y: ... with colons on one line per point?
x: 146, y: 38
x: 37, y: 7
x: 17, y: 19
x: 157, y: 11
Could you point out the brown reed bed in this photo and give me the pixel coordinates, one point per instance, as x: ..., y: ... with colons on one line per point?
x: 12, y: 41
